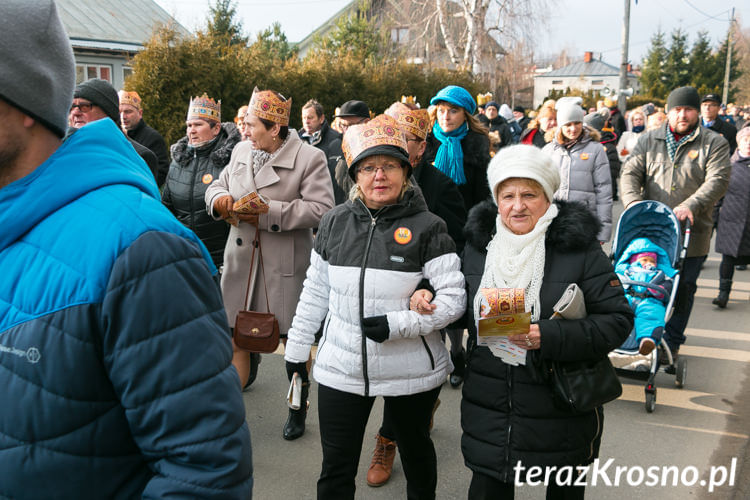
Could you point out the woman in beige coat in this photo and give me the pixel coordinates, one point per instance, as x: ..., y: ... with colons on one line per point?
x: 293, y: 177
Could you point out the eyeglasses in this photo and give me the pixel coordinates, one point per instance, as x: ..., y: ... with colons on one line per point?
x: 85, y: 107
x: 414, y: 140
x: 369, y: 170
x: 344, y: 125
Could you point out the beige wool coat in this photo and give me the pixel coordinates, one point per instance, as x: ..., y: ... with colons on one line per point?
x: 298, y: 186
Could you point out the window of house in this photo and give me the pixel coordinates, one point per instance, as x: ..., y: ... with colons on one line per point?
x: 597, y: 82
x: 556, y: 82
x: 87, y: 71
x: 400, y: 35
x: 126, y: 72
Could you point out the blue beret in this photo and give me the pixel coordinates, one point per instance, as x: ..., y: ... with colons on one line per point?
x: 457, y: 96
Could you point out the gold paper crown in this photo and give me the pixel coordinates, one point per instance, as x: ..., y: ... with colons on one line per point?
x: 267, y: 105
x: 409, y: 99
x: 204, y: 108
x: 416, y: 121
x: 130, y: 98
x: 484, y: 98
x: 380, y: 131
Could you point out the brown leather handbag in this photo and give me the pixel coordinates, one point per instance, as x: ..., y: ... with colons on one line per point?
x: 256, y: 331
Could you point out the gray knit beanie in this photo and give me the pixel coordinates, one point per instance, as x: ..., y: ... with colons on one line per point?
x: 598, y: 119
x: 37, y: 70
x: 683, y: 96
x: 101, y: 93
x: 569, y: 110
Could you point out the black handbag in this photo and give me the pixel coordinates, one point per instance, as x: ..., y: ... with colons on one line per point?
x: 581, y: 386
x: 256, y: 331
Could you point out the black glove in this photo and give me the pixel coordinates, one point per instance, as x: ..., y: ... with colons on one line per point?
x: 300, y: 368
x: 376, y: 328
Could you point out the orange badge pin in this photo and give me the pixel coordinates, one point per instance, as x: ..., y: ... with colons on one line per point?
x: 207, y: 179
x: 584, y: 156
x: 693, y: 154
x: 402, y: 235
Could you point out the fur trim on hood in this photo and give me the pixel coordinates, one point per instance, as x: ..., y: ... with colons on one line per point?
x: 588, y: 134
x: 227, y: 140
x: 575, y: 228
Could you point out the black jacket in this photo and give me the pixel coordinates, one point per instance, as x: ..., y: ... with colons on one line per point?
x: 609, y: 141
x: 733, y: 232
x: 151, y: 139
x: 617, y: 121
x: 533, y: 137
x: 443, y: 199
x: 727, y: 131
x: 191, y: 172
x: 508, y: 413
x: 502, y: 127
x: 329, y: 142
x: 476, y: 148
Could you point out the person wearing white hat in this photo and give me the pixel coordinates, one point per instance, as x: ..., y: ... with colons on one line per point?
x: 523, y: 239
x: 582, y: 163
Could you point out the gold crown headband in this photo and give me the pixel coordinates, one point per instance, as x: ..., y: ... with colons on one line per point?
x: 380, y: 131
x: 267, y: 105
x: 416, y: 121
x: 130, y: 98
x: 204, y: 108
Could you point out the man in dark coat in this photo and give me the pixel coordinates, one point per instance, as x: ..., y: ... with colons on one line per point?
x: 599, y: 122
x: 500, y: 131
x: 520, y: 115
x: 96, y: 99
x: 710, y: 105
x: 131, y: 116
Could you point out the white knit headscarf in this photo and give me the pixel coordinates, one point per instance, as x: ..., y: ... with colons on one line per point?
x: 517, y: 260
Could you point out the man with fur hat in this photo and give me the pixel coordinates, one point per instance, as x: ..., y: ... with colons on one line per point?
x: 97, y: 99
x: 116, y: 352
x: 687, y: 167
x: 131, y: 117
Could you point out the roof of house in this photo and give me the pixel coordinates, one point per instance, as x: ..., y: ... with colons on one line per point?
x: 580, y: 68
x: 112, y: 24
x: 327, y: 25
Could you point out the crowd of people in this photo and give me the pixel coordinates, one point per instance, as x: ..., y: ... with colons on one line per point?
x: 384, y: 234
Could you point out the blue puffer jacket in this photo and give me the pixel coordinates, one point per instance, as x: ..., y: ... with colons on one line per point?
x: 114, y: 348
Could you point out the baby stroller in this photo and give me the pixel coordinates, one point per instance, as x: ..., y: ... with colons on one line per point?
x: 657, y: 222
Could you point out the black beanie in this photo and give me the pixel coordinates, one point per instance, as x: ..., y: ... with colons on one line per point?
x: 684, y: 96
x: 101, y: 93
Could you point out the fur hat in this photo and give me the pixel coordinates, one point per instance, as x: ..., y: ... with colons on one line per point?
x: 37, y: 70
x: 101, y: 93
x: 525, y: 162
x: 569, y: 110
x: 458, y: 96
x: 683, y: 96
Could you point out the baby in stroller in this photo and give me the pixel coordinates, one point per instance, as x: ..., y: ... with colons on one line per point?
x: 646, y: 276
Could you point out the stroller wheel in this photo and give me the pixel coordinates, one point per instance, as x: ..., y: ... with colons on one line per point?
x: 650, y: 401
x: 681, y: 372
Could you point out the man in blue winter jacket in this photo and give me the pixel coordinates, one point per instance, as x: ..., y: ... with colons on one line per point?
x: 114, y: 347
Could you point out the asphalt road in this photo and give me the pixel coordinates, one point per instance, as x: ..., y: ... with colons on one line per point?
x: 703, y: 425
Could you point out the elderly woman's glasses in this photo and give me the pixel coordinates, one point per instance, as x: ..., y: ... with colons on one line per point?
x: 370, y: 170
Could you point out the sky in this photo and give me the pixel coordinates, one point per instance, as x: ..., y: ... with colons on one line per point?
x: 576, y: 25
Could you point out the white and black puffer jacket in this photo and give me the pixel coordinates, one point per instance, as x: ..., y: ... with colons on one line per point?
x: 368, y: 264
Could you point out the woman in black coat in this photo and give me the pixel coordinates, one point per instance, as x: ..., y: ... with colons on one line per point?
x: 508, y: 413
x: 459, y: 147
x: 733, y: 231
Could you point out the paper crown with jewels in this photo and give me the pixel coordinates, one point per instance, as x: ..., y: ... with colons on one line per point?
x: 483, y: 99
x: 416, y: 121
x: 268, y: 105
x: 380, y: 131
x: 130, y: 98
x: 204, y: 108
x: 409, y: 99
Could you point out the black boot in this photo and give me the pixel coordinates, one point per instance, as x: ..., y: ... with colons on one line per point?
x: 295, y: 424
x: 254, y: 362
x: 459, y: 367
x: 725, y: 286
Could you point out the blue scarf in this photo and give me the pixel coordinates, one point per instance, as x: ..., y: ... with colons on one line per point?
x: 450, y: 155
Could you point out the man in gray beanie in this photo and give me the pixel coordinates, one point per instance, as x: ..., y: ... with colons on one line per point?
x: 114, y: 343
x: 686, y: 167
x: 97, y: 99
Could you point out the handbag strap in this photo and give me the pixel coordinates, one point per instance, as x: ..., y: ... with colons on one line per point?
x: 256, y: 245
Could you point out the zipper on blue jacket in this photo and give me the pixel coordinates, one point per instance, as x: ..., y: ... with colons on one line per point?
x: 192, y: 189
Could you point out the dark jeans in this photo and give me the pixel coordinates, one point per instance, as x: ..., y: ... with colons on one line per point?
x: 343, y: 417
x: 675, y: 328
x: 484, y: 487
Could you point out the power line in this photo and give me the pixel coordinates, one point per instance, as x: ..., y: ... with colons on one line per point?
x: 709, y: 16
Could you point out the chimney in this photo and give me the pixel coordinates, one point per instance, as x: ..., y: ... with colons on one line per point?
x: 587, y: 56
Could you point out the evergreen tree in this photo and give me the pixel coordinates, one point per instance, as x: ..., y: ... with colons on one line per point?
x: 356, y: 34
x: 272, y: 42
x: 652, y: 75
x: 676, y: 67
x: 222, y: 25
x: 703, y: 64
x: 720, y: 65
